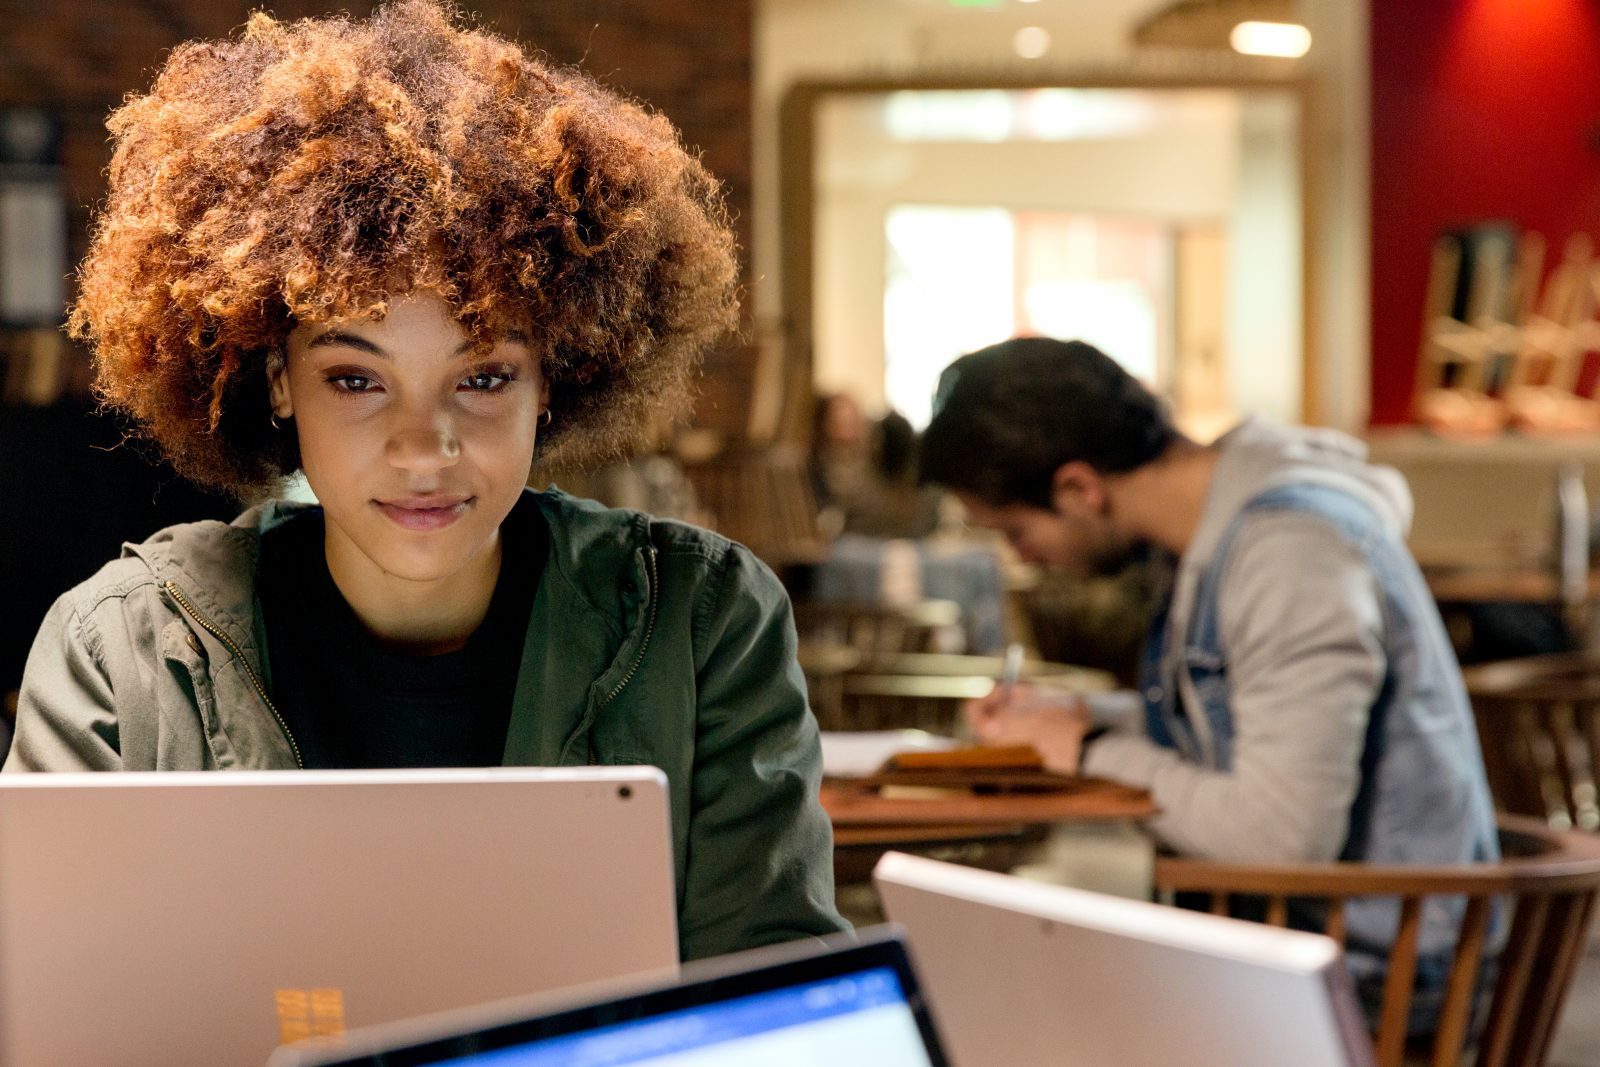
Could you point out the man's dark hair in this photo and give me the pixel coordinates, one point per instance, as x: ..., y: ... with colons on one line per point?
x: 1007, y: 416
x: 894, y: 442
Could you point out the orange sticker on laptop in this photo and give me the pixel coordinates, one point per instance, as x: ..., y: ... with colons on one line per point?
x: 294, y: 1014
x: 327, y: 1012
x: 305, y: 1013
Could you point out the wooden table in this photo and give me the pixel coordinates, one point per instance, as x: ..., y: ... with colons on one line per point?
x: 994, y: 830
x: 1496, y: 585
x: 1063, y: 676
x: 1096, y: 800
x: 824, y: 658
x: 917, y: 690
x: 1462, y: 591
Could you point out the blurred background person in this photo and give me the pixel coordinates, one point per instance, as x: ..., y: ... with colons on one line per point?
x: 1300, y: 701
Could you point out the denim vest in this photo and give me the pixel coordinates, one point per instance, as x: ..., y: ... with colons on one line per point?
x: 1423, y: 797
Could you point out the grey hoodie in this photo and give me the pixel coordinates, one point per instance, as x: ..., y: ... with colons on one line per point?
x: 1301, y: 618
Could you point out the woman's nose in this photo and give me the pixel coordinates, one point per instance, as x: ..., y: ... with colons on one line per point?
x: 424, y: 445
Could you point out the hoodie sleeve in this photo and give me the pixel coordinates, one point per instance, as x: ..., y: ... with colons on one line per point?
x: 760, y: 860
x: 1302, y: 626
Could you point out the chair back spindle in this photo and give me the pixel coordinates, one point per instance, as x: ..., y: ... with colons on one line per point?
x: 1539, y: 725
x: 1547, y: 878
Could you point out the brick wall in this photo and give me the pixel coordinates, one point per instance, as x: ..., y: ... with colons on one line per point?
x: 78, y: 58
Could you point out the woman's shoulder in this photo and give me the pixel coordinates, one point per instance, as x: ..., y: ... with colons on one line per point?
x: 212, y: 559
x: 593, y: 543
x: 583, y: 527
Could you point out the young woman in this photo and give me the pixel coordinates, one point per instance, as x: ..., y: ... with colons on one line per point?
x: 396, y: 255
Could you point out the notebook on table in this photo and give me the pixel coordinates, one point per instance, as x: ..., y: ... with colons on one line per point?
x: 842, y: 1001
x: 209, y: 917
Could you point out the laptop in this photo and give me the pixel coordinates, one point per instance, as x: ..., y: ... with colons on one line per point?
x: 1024, y: 973
x: 847, y: 1000
x: 209, y: 917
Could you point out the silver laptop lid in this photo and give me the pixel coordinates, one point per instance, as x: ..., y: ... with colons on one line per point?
x: 208, y: 917
x: 1024, y: 973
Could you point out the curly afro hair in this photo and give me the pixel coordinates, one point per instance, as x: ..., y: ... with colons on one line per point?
x: 311, y: 170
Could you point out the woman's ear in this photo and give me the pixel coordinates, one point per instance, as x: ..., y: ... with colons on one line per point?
x: 1077, y: 487
x: 278, y: 386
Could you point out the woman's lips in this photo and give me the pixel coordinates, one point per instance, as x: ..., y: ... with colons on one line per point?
x: 424, y: 513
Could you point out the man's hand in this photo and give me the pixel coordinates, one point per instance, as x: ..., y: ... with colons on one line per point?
x: 1053, y: 723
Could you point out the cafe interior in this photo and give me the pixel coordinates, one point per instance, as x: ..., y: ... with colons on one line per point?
x: 1376, y: 217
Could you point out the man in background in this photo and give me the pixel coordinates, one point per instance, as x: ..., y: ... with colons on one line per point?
x: 1299, y: 697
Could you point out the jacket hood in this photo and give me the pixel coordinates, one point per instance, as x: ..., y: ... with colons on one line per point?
x: 1258, y: 455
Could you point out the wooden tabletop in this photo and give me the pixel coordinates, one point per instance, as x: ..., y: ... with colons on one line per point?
x: 896, y: 834
x: 822, y: 657
x: 1092, y: 800
x: 1487, y: 585
x: 1057, y: 675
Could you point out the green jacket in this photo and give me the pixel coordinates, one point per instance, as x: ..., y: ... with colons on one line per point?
x: 650, y: 642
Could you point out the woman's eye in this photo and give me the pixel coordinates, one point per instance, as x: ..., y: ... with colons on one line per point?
x: 351, y: 383
x: 485, y: 381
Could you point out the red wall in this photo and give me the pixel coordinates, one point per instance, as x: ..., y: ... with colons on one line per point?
x: 1481, y: 109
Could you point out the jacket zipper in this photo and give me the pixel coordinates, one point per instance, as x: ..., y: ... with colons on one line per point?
x: 649, y: 631
x: 216, y: 631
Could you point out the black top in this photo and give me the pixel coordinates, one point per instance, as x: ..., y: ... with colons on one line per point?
x: 349, y: 702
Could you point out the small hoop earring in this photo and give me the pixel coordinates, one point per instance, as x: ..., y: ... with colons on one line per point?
x: 545, y: 417
x: 273, y: 418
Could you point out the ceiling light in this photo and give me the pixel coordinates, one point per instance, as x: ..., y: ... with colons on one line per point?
x: 1031, y: 42
x: 1227, y: 25
x: 1285, y: 39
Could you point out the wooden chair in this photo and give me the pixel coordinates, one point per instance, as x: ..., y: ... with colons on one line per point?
x: 851, y: 690
x: 761, y: 496
x: 838, y: 637
x: 875, y: 629
x: 864, y: 700
x: 1539, y: 725
x: 907, y: 701
x: 1549, y: 877
x: 1454, y: 365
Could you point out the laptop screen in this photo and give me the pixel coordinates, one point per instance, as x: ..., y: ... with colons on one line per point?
x: 858, y: 1018
x: 844, y: 1001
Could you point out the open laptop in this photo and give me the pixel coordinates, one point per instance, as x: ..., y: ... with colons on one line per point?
x: 208, y: 917
x: 1023, y: 973
x: 840, y: 1001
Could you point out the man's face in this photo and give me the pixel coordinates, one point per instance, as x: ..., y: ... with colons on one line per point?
x: 416, y: 445
x: 1072, y: 538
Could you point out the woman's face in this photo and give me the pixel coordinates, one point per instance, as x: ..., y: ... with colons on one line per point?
x: 416, y: 445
